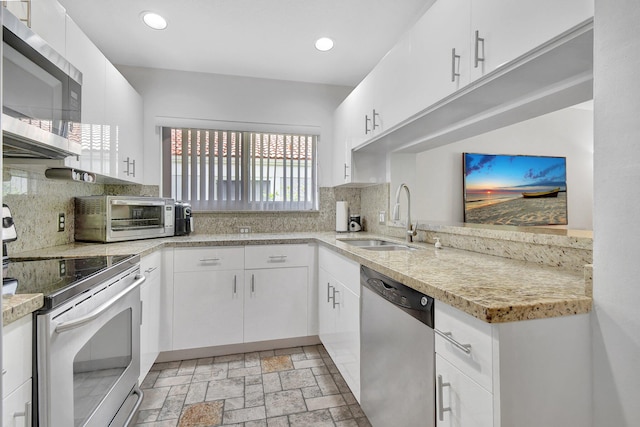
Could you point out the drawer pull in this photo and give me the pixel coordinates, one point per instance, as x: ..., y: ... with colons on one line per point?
x: 4, y: 371
x: 26, y: 414
x: 151, y: 270
x: 334, y: 297
x: 253, y: 284
x: 277, y: 258
x: 441, y: 408
x: 448, y: 336
x: 210, y: 260
x: 235, y: 284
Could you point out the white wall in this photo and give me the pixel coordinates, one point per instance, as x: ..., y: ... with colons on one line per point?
x: 437, y: 191
x: 174, y: 97
x: 616, y: 286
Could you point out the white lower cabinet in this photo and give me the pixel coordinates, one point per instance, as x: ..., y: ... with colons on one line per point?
x: 16, y: 407
x: 460, y: 402
x: 275, y: 304
x: 339, y: 314
x: 232, y: 295
x: 513, y: 373
x: 150, y: 296
x: 208, y: 308
x: 16, y: 373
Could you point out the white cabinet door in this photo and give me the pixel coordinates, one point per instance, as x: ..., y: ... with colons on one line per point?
x: 123, y: 113
x: 512, y: 28
x: 48, y: 21
x: 87, y: 58
x: 275, y: 304
x: 16, y: 354
x: 326, y: 311
x: 16, y: 406
x: 435, y: 71
x: 393, y: 90
x: 347, y: 336
x: 341, y: 173
x: 150, y: 295
x: 208, y: 308
x: 469, y: 405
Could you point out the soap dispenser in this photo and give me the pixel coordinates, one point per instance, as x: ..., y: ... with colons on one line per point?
x: 438, y: 245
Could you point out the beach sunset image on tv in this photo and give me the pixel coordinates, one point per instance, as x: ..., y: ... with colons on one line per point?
x: 515, y: 190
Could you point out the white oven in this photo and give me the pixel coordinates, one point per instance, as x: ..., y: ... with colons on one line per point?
x: 88, y: 355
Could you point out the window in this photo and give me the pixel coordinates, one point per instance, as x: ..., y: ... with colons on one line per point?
x: 232, y: 170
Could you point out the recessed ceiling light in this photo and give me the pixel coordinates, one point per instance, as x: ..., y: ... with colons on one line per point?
x: 324, y: 44
x: 153, y: 20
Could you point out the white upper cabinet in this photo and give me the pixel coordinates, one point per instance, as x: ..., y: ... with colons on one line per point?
x: 123, y: 115
x: 508, y: 28
x: 87, y: 58
x: 441, y: 56
x: 423, y: 89
x: 48, y: 20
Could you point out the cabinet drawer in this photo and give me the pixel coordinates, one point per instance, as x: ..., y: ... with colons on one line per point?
x: 150, y: 265
x: 16, y: 406
x: 208, y: 259
x: 16, y: 354
x: 460, y: 402
x: 276, y: 256
x: 464, y: 329
x: 343, y: 269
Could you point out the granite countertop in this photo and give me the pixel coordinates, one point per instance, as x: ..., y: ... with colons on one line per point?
x: 17, y: 306
x: 491, y: 288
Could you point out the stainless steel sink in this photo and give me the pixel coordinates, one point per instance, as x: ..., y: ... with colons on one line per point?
x: 377, y: 245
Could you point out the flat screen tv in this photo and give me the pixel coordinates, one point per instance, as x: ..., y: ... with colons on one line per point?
x: 516, y: 190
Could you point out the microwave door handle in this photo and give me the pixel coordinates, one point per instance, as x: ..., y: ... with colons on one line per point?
x: 73, y: 324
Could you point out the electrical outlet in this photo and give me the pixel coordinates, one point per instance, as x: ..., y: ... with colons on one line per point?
x: 62, y: 266
x: 61, y: 221
x: 244, y: 230
x: 382, y: 217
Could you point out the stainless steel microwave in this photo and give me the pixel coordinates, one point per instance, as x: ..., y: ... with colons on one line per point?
x: 119, y: 218
x: 42, y: 96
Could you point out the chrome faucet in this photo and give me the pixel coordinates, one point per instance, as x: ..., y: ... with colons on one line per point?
x: 411, y: 231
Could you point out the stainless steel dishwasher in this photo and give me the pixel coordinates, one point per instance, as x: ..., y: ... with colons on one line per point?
x: 397, y: 353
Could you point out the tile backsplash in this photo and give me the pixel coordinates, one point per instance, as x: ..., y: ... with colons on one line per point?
x: 35, y: 202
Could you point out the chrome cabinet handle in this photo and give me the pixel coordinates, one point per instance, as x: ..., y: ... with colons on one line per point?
x: 477, y: 58
x: 441, y: 408
x: 72, y: 324
x: 375, y: 125
x: 334, y: 297
x: 345, y: 171
x: 253, y: 283
x: 235, y: 285
x: 26, y: 414
x: 4, y: 371
x: 277, y: 258
x: 134, y: 167
x: 449, y: 337
x: 151, y: 269
x: 210, y: 260
x: 328, y: 292
x: 455, y: 70
x: 367, y: 120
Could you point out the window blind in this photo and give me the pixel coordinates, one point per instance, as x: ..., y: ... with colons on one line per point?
x: 246, y: 171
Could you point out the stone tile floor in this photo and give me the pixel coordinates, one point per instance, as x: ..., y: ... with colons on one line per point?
x: 295, y: 387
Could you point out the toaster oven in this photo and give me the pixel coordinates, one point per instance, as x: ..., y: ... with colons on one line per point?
x: 118, y: 218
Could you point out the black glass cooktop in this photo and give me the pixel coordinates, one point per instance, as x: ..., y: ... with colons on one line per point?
x: 60, y: 279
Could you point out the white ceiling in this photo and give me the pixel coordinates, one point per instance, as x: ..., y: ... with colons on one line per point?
x: 271, y: 39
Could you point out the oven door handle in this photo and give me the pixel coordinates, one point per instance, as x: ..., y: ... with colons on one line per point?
x: 72, y: 324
